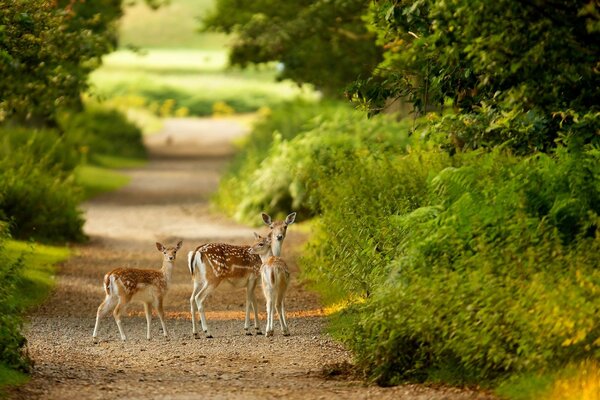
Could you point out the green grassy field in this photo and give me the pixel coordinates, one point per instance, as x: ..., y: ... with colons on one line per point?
x: 177, y: 70
x: 174, y: 25
x: 165, y: 81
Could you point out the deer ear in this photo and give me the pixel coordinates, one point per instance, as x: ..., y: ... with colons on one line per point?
x: 179, y: 244
x: 159, y: 246
x: 256, y: 236
x: 266, y: 218
x: 290, y: 218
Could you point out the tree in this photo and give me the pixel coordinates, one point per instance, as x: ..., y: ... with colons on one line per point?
x: 323, y: 42
x: 521, y: 71
x: 46, y: 54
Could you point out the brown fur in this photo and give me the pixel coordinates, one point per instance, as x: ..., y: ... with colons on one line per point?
x: 129, y: 281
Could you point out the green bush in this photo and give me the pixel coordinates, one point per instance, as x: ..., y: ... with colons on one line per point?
x: 11, y: 339
x: 491, y: 271
x: 102, y: 131
x: 38, y: 196
x: 287, y: 154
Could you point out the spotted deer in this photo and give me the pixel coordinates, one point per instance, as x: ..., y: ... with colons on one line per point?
x: 275, y: 278
x: 212, y: 263
x: 148, y: 286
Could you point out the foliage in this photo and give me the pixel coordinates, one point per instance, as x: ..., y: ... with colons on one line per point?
x: 286, y: 156
x: 11, y: 339
x: 46, y: 53
x: 37, y: 192
x: 98, y: 131
x: 20, y: 289
x: 491, y: 271
x: 323, y: 42
x: 507, y: 67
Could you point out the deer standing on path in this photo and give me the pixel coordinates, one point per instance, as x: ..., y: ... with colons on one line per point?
x: 124, y: 285
x: 275, y: 278
x: 212, y: 263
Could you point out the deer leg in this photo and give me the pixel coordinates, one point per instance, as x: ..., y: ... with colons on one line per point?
x: 161, y: 316
x: 192, y: 300
x: 200, y: 298
x: 148, y: 312
x: 270, y: 310
x: 282, y: 321
x: 104, y: 307
x: 255, y: 309
x: 117, y: 315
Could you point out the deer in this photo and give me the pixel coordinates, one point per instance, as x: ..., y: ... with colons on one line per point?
x: 212, y: 263
x: 275, y: 278
x: 125, y: 285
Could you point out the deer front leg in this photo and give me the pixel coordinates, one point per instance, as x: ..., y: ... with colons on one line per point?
x: 282, y: 321
x: 270, y: 310
x: 148, y: 312
x: 161, y: 316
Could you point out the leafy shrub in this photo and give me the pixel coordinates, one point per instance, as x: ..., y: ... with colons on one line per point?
x: 285, y: 156
x: 37, y: 192
x: 103, y: 131
x: 492, y: 271
x: 11, y: 339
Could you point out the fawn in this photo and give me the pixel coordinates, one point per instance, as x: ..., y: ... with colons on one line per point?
x: 124, y: 285
x: 275, y: 278
x: 212, y: 263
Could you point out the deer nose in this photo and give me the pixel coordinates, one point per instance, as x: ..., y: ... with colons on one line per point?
x: 280, y: 237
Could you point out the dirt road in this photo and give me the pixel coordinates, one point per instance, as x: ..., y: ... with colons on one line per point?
x: 168, y: 200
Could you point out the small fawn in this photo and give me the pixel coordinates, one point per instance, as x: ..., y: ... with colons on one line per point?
x: 275, y: 278
x: 124, y: 285
x: 212, y: 263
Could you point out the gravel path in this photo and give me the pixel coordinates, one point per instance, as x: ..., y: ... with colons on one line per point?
x: 167, y: 200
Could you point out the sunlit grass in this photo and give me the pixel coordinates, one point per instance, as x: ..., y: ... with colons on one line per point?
x: 174, y: 24
x: 39, y: 263
x: 581, y: 383
x: 577, y: 381
x: 96, y: 180
x: 193, y: 80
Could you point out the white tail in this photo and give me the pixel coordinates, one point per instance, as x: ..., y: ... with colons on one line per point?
x: 275, y: 278
x: 124, y: 285
x: 212, y: 263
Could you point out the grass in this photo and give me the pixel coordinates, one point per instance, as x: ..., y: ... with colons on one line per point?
x: 96, y: 180
x: 166, y: 81
x: 37, y: 281
x: 173, y: 25
x: 579, y: 381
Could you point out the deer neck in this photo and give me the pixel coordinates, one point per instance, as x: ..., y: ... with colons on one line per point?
x: 265, y: 256
x: 275, y: 248
x: 167, y: 270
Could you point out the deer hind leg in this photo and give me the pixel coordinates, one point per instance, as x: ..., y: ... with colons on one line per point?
x: 280, y: 304
x: 200, y: 298
x: 117, y: 314
x: 161, y: 316
x: 103, y: 309
x: 193, y: 311
x: 251, y: 302
x: 148, y: 312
